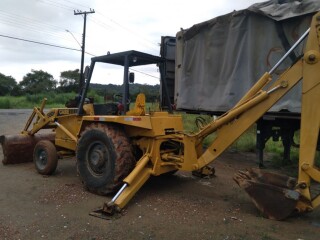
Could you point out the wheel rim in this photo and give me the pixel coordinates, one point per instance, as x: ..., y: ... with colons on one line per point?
x: 42, y: 159
x: 97, y: 157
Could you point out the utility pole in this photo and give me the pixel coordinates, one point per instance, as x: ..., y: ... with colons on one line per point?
x: 78, y: 12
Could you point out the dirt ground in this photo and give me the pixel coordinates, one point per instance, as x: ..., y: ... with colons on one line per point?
x: 176, y: 207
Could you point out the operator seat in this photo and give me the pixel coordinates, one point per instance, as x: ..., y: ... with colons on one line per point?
x: 139, y: 106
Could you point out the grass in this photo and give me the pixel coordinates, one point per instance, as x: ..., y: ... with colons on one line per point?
x: 53, y: 101
x: 247, y: 142
x: 192, y: 123
x: 29, y: 101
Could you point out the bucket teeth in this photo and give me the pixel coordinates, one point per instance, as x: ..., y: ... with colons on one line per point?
x: 19, y: 148
x: 273, y: 194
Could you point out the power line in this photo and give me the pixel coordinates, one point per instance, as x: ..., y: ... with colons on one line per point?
x: 101, y: 23
x: 24, y: 19
x: 33, y: 25
x: 75, y: 3
x: 56, y: 4
x: 30, y: 29
x: 62, y: 47
x: 42, y: 43
x: 142, y: 39
x: 135, y: 70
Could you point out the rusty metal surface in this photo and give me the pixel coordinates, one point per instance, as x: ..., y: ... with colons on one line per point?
x: 19, y: 148
x: 273, y: 194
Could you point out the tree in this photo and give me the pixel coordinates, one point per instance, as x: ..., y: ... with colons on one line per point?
x: 7, y: 85
x: 69, y: 81
x: 37, y: 81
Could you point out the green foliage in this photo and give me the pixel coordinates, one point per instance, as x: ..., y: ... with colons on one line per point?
x: 33, y: 96
x: 30, y: 101
x: 69, y: 81
x: 246, y: 142
x: 94, y: 94
x: 5, y: 103
x: 8, y: 85
x: 193, y: 123
x: 14, y: 102
x: 37, y: 82
x: 110, y: 90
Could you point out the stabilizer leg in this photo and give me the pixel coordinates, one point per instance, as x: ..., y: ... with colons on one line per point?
x: 132, y: 183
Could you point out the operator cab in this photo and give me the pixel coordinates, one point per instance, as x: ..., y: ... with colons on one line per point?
x: 126, y: 59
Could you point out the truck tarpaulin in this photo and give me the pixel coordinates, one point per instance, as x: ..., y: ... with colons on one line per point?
x: 217, y: 61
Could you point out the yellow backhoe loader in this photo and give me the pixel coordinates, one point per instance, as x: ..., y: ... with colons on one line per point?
x: 119, y: 152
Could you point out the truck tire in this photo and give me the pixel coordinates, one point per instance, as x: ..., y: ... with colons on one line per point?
x: 45, y: 157
x: 104, y: 157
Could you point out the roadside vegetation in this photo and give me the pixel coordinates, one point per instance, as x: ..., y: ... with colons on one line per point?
x: 38, y: 84
x: 247, y: 143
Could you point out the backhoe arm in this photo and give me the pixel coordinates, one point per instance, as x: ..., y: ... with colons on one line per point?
x: 310, y: 119
x: 276, y: 196
x: 257, y: 101
x: 230, y: 126
x: 186, y: 152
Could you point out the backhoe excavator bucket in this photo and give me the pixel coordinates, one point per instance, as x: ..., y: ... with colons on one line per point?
x: 273, y: 194
x: 19, y: 148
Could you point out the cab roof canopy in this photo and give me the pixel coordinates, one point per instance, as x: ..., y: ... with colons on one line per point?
x: 134, y: 58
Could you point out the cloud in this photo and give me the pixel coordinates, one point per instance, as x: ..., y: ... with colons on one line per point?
x: 117, y: 25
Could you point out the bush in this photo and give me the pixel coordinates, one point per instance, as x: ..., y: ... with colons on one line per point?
x: 5, y: 103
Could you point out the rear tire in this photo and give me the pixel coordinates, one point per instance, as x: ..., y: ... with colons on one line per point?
x: 45, y: 157
x: 104, y: 157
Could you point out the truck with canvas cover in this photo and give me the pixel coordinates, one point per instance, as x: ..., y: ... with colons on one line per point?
x: 218, y: 60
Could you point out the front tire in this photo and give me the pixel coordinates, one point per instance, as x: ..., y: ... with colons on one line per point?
x: 104, y: 157
x: 45, y: 157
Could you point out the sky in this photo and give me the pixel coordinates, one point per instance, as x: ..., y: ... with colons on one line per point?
x: 116, y: 25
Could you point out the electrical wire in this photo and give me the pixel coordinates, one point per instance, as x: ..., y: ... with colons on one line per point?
x: 31, y: 20
x: 135, y: 70
x: 63, y: 47
x: 99, y: 22
x: 75, y: 3
x: 42, y: 43
x: 55, y: 31
x: 33, y: 25
x: 56, y: 4
x: 142, y: 39
x: 34, y: 30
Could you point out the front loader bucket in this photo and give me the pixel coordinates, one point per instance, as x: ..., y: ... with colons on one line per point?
x: 19, y: 148
x: 273, y: 194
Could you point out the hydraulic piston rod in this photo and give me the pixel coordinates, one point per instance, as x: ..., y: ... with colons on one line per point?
x: 289, y: 51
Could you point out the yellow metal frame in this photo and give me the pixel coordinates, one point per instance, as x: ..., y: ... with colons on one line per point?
x: 151, y: 133
x: 310, y: 116
x: 232, y: 124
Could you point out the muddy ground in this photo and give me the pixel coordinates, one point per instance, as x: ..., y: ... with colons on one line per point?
x: 176, y: 207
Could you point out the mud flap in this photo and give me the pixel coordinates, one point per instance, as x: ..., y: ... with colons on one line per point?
x: 19, y: 148
x: 273, y: 194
